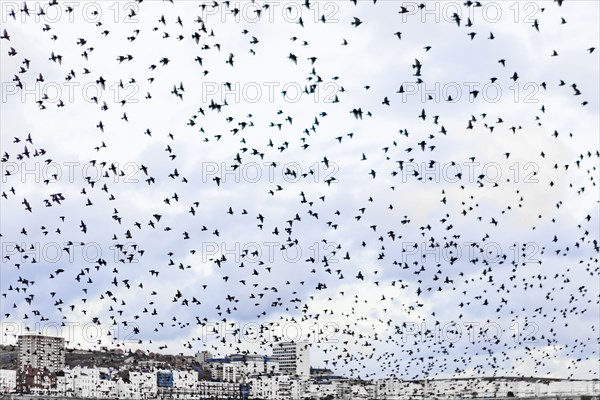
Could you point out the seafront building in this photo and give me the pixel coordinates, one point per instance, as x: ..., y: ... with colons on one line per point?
x: 286, y: 375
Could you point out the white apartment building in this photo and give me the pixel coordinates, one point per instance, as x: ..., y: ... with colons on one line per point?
x: 239, y: 367
x: 144, y: 384
x: 87, y: 382
x: 293, y: 358
x: 277, y: 387
x: 185, y: 380
x: 105, y: 383
x: 286, y: 387
x: 574, y: 387
x: 141, y: 385
x: 340, y: 388
x: 8, y: 380
x: 396, y: 389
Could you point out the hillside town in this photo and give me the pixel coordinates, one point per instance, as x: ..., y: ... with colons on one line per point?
x: 42, y: 366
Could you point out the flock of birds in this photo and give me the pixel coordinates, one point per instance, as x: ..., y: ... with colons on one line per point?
x: 164, y: 282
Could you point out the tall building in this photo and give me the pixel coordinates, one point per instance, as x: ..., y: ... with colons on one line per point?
x: 202, y: 356
x: 293, y: 358
x: 41, y: 352
x: 8, y: 380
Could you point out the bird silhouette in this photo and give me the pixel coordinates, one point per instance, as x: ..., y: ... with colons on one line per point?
x: 418, y: 204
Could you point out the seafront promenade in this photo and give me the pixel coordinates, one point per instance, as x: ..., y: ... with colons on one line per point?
x: 558, y: 397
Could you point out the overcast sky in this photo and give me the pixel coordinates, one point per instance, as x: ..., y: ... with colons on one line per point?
x: 413, y: 193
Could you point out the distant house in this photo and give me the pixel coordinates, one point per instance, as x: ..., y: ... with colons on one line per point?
x: 8, y: 380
